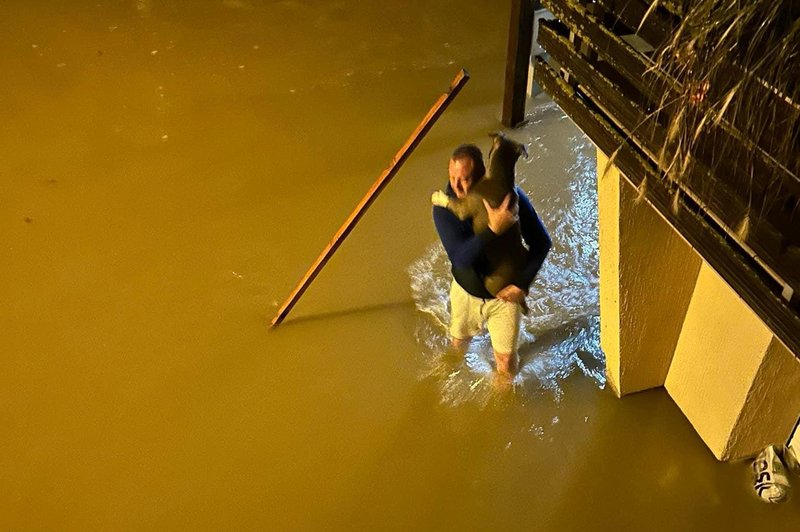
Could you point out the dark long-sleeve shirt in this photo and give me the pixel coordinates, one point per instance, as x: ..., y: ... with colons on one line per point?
x: 465, y: 248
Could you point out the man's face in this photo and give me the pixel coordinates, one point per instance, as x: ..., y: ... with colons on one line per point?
x: 461, y: 176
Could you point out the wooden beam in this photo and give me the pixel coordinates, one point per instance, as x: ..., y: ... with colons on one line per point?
x: 714, y: 194
x: 659, y: 27
x: 769, y: 179
x: 518, y: 59
x: 405, y: 151
x: 737, y: 269
x: 635, y: 67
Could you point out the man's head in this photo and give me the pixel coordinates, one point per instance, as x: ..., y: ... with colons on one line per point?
x: 466, y: 168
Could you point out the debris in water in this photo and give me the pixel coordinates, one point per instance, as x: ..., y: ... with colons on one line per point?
x: 475, y: 384
x: 153, y: 52
x: 28, y: 219
x: 769, y: 476
x: 555, y: 420
x: 61, y: 65
x: 238, y: 275
x: 241, y: 67
x: 256, y: 47
x: 164, y: 136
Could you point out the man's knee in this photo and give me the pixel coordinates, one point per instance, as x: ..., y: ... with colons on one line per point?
x: 504, y: 325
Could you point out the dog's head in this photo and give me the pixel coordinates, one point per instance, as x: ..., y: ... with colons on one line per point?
x: 503, y: 157
x: 501, y: 142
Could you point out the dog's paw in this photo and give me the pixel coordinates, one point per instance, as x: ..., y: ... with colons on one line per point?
x: 439, y: 199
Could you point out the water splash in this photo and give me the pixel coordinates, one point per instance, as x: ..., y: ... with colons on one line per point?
x: 561, y: 334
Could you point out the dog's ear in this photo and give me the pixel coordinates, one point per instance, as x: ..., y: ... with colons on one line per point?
x: 523, y: 150
x: 497, y: 135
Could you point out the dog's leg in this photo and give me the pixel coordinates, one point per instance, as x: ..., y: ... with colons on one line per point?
x: 440, y: 199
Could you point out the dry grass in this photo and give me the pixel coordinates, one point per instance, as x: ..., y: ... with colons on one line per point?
x: 722, y: 55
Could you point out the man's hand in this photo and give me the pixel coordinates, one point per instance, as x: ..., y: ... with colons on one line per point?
x: 512, y: 294
x: 503, y: 217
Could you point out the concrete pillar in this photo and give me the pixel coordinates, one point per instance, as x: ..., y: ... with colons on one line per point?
x: 647, y: 276
x: 734, y: 380
x: 536, y: 50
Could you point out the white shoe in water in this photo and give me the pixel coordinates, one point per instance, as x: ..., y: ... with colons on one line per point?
x: 769, y: 476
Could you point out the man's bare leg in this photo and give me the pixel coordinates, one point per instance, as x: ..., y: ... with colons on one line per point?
x: 506, y: 363
x: 460, y: 344
x: 458, y: 348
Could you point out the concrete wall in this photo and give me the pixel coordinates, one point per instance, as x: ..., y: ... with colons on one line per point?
x: 735, y: 382
x: 647, y: 277
x: 667, y: 318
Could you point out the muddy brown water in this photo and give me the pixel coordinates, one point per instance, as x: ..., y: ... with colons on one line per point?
x: 171, y: 168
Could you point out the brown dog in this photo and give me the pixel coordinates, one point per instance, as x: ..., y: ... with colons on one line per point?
x: 506, y: 254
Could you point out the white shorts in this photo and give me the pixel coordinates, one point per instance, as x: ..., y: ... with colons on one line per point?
x: 468, y: 314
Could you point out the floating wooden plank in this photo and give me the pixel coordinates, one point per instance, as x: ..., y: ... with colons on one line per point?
x: 737, y: 269
x: 405, y: 151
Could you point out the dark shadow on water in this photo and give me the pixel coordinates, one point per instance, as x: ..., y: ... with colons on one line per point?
x: 550, y: 338
x: 344, y: 313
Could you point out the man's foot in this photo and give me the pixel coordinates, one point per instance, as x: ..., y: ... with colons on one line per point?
x: 502, y: 382
x: 453, y: 355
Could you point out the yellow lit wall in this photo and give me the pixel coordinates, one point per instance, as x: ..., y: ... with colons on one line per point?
x: 647, y: 277
x: 735, y: 382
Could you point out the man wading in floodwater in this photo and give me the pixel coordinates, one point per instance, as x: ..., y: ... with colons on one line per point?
x: 471, y: 305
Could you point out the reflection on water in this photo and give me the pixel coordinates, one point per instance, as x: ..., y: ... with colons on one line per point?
x: 561, y: 334
x: 152, y: 218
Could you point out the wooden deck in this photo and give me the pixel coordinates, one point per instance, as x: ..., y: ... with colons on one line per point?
x: 733, y: 172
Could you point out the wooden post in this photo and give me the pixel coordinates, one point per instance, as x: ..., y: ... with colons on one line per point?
x: 518, y: 59
x: 405, y: 151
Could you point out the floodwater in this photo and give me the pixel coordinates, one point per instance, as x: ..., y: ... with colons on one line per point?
x: 170, y: 170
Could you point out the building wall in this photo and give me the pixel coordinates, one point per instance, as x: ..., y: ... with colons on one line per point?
x: 735, y: 382
x: 647, y: 277
x: 669, y: 319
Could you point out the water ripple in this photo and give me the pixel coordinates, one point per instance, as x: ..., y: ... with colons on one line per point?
x: 561, y: 334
